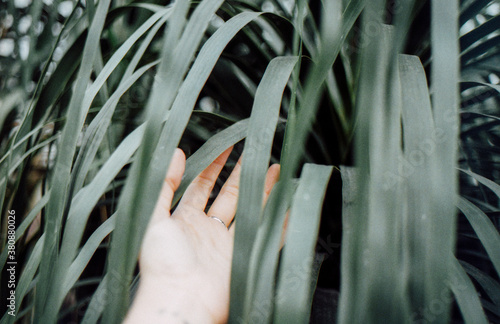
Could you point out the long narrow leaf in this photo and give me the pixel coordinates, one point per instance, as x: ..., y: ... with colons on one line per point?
x: 21, y: 229
x: 485, y: 181
x: 256, y: 156
x: 263, y: 264
x: 445, y: 102
x: 55, y: 207
x: 490, y: 285
x: 466, y: 295
x: 204, y: 156
x: 26, y: 278
x: 372, y: 237
x: 485, y: 230
x: 295, y: 279
x: 417, y: 173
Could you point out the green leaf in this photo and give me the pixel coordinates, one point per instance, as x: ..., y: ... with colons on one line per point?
x: 469, y: 56
x: 478, y: 33
x: 255, y: 161
x: 22, y: 159
x: 294, y: 296
x: 372, y: 236
x: 475, y: 84
x: 487, y: 182
x: 473, y: 9
x: 490, y: 285
x: 466, y: 295
x: 264, y: 256
x: 26, y: 277
x: 98, y: 127
x: 204, y: 156
x: 47, y: 293
x: 420, y: 153
x: 444, y: 78
x: 21, y: 228
x: 85, y: 200
x: 139, y: 53
x: 86, y: 253
x: 332, y: 36
x: 485, y: 230
x: 98, y: 301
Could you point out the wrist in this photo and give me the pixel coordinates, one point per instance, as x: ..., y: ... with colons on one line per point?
x: 166, y: 302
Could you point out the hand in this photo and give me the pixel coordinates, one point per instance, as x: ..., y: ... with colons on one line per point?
x: 185, y: 258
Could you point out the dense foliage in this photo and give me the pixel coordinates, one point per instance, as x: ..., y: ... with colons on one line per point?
x: 401, y: 96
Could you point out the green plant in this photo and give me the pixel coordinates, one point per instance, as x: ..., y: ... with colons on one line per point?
x: 303, y: 83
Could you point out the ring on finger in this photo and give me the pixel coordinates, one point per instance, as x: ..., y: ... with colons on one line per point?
x: 219, y: 220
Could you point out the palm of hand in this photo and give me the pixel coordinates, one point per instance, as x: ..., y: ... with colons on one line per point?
x: 188, y: 253
x: 193, y: 253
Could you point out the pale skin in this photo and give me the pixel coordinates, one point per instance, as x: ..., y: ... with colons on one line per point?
x: 185, y: 258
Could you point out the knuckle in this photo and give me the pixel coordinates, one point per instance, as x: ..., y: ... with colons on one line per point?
x: 170, y: 183
x: 204, y: 181
x: 231, y: 191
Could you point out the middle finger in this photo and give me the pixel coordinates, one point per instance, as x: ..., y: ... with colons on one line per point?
x: 198, y: 192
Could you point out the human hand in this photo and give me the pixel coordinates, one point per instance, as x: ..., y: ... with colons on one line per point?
x: 185, y: 258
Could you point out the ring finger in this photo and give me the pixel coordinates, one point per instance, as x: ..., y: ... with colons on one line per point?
x: 224, y: 206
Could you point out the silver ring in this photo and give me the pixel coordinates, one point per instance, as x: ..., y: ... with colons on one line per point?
x: 219, y: 220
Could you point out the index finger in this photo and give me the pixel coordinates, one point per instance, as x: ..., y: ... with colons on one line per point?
x: 170, y: 184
